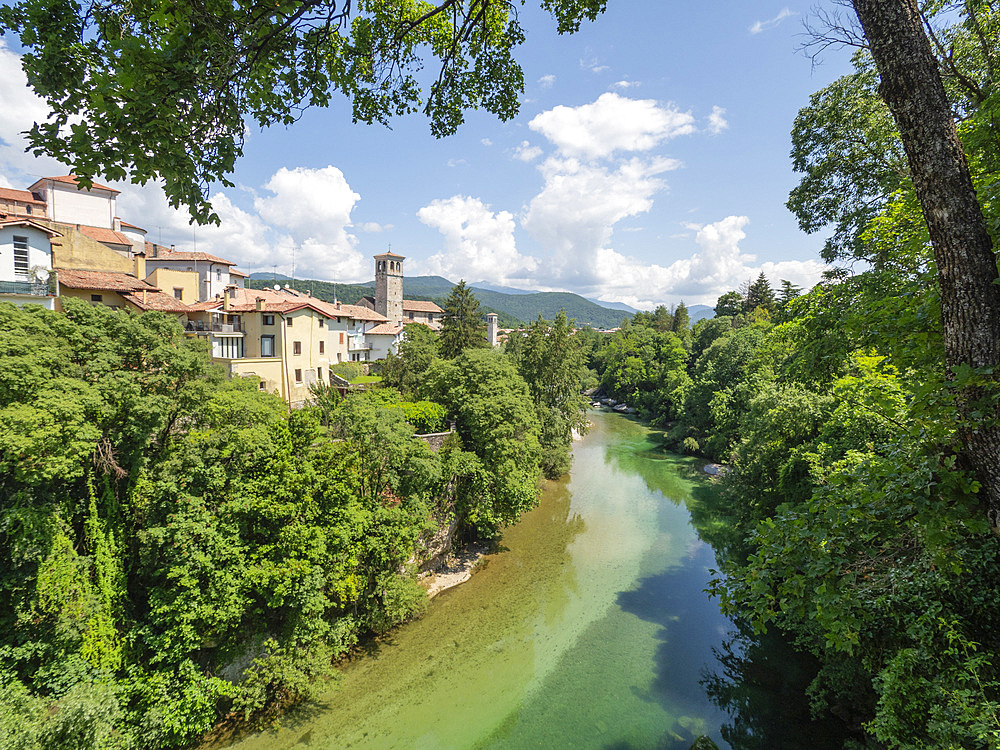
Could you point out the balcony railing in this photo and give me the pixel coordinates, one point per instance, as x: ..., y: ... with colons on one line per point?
x: 200, y: 327
x: 33, y: 288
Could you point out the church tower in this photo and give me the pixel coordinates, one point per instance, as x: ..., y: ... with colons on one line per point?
x: 389, y: 286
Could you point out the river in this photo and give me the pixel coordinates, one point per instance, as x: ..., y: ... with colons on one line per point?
x: 589, y: 629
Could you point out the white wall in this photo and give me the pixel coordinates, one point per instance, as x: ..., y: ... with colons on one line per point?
x: 67, y: 204
x: 39, y: 251
x: 381, y: 344
x: 138, y: 238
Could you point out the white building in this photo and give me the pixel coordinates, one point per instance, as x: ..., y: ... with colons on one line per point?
x: 26, y: 262
x: 69, y: 203
x: 213, y: 271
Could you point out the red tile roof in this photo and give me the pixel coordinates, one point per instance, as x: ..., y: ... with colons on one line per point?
x: 156, y: 300
x: 384, y: 329
x: 102, y: 234
x: 158, y: 252
x: 71, y: 179
x: 390, y: 254
x: 284, y: 301
x: 22, y: 196
x: 234, y: 272
x: 130, y: 226
x: 108, y: 281
x: 416, y: 305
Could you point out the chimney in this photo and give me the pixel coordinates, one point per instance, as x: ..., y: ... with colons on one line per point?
x: 140, y: 265
x: 309, y: 292
x: 225, y: 302
x: 116, y: 224
x: 338, y: 305
x: 144, y: 296
x: 260, y: 304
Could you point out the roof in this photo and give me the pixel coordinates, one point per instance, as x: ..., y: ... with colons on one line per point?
x: 234, y: 272
x: 23, y: 196
x: 71, y: 179
x: 104, y: 235
x: 156, y: 252
x: 286, y: 301
x: 384, y: 329
x: 30, y: 223
x: 131, y: 226
x: 416, y: 305
x: 108, y: 281
x: 156, y: 300
x: 391, y: 254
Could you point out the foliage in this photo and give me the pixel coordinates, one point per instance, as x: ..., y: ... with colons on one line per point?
x: 497, y: 422
x: 404, y: 369
x: 463, y: 326
x: 173, y: 545
x: 162, y: 91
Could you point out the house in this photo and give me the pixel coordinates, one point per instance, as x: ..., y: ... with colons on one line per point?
x: 213, y: 273
x: 26, y: 275
x: 120, y: 290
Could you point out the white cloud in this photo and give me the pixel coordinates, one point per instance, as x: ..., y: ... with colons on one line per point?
x: 575, y: 213
x: 759, y: 26
x: 478, y: 242
x: 372, y: 227
x: 21, y: 109
x: 526, y: 152
x: 623, y: 84
x: 546, y: 81
x: 457, y: 162
x: 717, y: 121
x: 486, y: 141
x: 612, y: 123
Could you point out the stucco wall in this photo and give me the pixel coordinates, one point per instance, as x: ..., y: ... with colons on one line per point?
x: 68, y: 204
x: 39, y: 251
x: 111, y: 299
x: 167, y: 279
x: 76, y: 250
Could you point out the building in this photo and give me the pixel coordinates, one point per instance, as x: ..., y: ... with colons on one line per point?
x: 388, y: 300
x: 26, y: 275
x: 212, y: 273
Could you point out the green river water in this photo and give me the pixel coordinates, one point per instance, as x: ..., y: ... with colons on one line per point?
x: 589, y: 629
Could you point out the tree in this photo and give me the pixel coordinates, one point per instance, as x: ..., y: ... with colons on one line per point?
x: 404, y: 369
x: 162, y: 90
x: 759, y: 294
x: 729, y: 304
x: 911, y: 86
x: 682, y: 320
x: 463, y: 327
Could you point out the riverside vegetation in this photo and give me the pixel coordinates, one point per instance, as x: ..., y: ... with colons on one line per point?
x: 176, y: 548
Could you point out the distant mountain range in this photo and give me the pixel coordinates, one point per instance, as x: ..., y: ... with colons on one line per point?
x: 513, y: 306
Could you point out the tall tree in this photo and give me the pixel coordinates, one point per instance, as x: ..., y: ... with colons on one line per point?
x: 162, y: 90
x: 759, y: 294
x: 682, y: 320
x: 911, y: 86
x: 463, y: 327
x: 729, y: 304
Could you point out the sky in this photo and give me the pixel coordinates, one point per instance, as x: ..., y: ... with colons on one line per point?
x: 649, y: 164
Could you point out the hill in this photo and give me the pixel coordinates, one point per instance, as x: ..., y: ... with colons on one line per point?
x: 511, y: 309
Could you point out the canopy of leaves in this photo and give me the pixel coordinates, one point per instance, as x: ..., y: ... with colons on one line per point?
x: 162, y: 90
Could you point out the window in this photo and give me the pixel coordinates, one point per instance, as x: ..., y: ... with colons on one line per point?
x: 296, y: 347
x: 27, y: 210
x: 96, y: 297
x: 178, y: 292
x: 218, y: 274
x: 341, y: 337
x: 260, y: 384
x: 268, y: 320
x: 319, y: 373
x: 288, y: 322
x: 267, y: 346
x: 21, y: 267
x: 298, y: 376
x: 322, y: 347
x: 322, y: 321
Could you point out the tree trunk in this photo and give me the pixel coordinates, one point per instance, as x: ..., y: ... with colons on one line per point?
x: 967, y: 269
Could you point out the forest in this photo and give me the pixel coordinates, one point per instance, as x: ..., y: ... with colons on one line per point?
x: 177, y: 549
x: 854, y: 517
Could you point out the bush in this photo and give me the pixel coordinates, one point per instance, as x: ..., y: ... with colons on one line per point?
x: 690, y: 445
x: 425, y: 416
x: 348, y: 370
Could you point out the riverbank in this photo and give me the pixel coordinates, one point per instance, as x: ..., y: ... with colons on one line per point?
x: 458, y: 568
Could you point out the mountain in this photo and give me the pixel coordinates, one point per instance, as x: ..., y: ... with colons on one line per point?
x: 697, y: 312
x: 511, y: 308
x: 613, y: 305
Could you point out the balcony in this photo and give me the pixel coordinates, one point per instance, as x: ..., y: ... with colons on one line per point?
x: 199, y: 326
x: 32, y: 288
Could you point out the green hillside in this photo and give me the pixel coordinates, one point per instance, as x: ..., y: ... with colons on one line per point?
x: 511, y: 309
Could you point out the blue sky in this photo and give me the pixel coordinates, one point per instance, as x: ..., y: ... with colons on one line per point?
x: 649, y: 164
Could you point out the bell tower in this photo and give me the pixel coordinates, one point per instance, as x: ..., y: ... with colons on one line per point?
x: 389, y: 286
